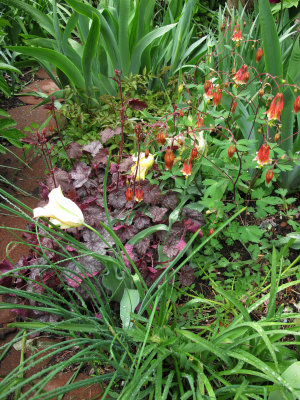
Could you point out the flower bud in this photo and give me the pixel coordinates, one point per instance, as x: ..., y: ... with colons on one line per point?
x: 161, y: 137
x: 194, y: 153
x: 261, y: 93
x: 233, y: 107
x: 222, y: 27
x: 147, y: 153
x: 259, y: 54
x: 245, y: 23
x: 233, y: 70
x: 277, y: 137
x: 180, y: 89
x: 169, y: 159
x: 211, y: 231
x: 246, y: 76
x: 181, y: 113
x: 129, y: 194
x: 297, y: 105
x: 231, y: 151
x: 269, y: 176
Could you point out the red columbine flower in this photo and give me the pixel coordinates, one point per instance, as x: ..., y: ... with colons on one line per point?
x: 297, y: 105
x: 217, y: 96
x: 169, y: 159
x: 139, y: 194
x: 275, y: 110
x: 129, y: 194
x: 259, y: 54
x: 233, y: 107
x: 242, y: 76
x: 231, y: 151
x: 194, y: 153
x: 187, y: 167
x: 269, y: 176
x: 263, y: 155
x: 237, y: 34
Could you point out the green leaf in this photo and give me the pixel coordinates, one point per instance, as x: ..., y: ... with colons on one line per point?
x: 90, y: 50
x: 59, y: 60
x: 8, y: 67
x: 270, y: 41
x: 144, y: 43
x: 147, y: 232
x: 43, y: 20
x: 129, y: 302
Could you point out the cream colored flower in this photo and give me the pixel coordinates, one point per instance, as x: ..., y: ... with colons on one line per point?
x: 144, y: 165
x: 200, y: 142
x: 61, y: 211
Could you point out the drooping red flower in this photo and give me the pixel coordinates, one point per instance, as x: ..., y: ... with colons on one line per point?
x: 297, y: 105
x: 187, y: 167
x: 242, y: 76
x: 139, y: 194
x: 259, y: 54
x: 217, y: 96
x: 169, y: 159
x: 275, y: 109
x: 208, y: 90
x: 231, y: 151
x: 263, y: 155
x: 207, y: 86
x: 269, y: 176
x: 129, y: 194
x: 237, y: 34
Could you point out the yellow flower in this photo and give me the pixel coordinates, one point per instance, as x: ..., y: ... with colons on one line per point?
x: 61, y: 211
x: 145, y: 163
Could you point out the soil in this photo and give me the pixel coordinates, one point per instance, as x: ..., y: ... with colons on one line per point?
x: 27, y: 177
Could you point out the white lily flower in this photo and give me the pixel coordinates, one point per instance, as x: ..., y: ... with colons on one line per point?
x: 61, y: 211
x: 144, y: 165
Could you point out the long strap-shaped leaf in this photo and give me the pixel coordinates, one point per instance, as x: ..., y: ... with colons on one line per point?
x: 59, y: 60
x: 145, y: 42
x: 271, y: 46
x: 90, y: 50
x: 43, y: 20
x: 123, y: 39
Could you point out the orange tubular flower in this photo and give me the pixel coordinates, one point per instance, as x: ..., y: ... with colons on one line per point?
x: 139, y: 194
x: 263, y: 155
x: 259, y: 54
x: 233, y: 107
x: 187, y: 167
x: 217, y: 96
x: 242, y: 76
x: 297, y: 105
x: 269, y: 176
x: 237, y: 34
x: 194, y: 153
x: 275, y: 110
x: 231, y: 151
x: 129, y: 194
x: 169, y: 159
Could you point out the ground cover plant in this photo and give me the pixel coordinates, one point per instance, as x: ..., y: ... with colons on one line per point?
x: 166, y: 250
